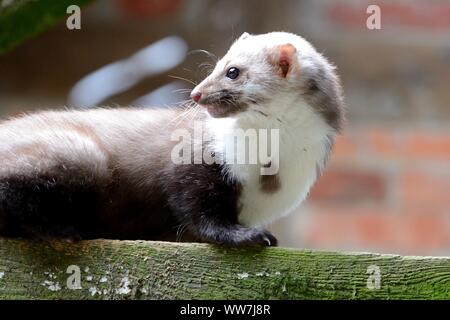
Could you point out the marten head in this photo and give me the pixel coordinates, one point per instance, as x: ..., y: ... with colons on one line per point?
x: 271, y: 75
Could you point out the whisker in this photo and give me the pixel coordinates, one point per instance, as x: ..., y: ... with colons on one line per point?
x: 182, y: 115
x: 184, y: 79
x: 186, y: 114
x: 209, y: 54
x: 206, y: 67
x: 192, y: 114
x: 180, y: 232
x: 182, y: 90
x: 205, y: 64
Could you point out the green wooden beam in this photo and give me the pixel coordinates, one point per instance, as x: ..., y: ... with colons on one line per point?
x: 162, y: 270
x: 22, y: 19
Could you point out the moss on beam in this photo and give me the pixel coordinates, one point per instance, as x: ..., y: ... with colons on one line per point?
x: 161, y: 270
x: 22, y: 19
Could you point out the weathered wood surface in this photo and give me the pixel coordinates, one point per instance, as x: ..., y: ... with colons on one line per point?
x: 161, y: 270
x: 22, y: 19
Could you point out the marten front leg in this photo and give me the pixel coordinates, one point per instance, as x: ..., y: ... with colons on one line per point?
x: 206, y: 203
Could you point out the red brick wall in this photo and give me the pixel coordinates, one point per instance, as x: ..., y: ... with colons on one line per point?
x: 384, y: 190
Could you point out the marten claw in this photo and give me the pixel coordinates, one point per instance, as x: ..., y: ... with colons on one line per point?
x: 256, y: 237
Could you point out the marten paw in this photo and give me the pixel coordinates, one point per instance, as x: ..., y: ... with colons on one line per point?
x: 256, y: 237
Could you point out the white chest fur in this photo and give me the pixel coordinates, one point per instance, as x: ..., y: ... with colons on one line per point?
x: 303, y: 150
x: 296, y: 175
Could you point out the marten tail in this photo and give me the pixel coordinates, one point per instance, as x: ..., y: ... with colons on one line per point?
x: 50, y: 181
x: 46, y: 206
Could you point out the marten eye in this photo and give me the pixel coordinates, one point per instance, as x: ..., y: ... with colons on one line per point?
x: 233, y: 73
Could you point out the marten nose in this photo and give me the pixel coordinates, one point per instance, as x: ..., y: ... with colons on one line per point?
x: 196, y: 96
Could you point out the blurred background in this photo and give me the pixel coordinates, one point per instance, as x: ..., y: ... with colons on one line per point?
x: 387, y: 188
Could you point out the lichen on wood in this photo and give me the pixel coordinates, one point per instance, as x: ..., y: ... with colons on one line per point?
x: 109, y: 269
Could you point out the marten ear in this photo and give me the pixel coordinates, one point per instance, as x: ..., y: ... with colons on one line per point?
x: 244, y: 35
x: 283, y: 58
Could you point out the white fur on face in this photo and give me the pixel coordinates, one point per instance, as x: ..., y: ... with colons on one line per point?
x: 257, y: 80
